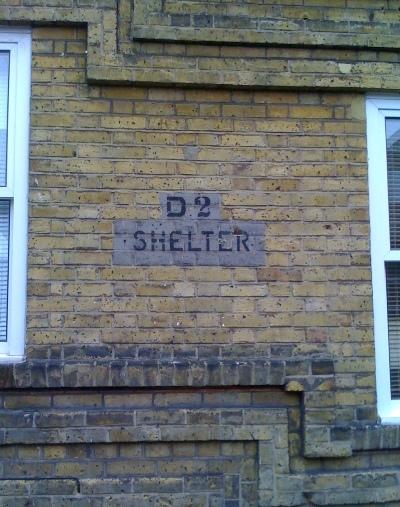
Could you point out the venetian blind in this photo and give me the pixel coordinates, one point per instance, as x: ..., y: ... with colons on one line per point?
x: 4, y: 204
x: 4, y: 73
x: 393, y: 176
x: 393, y: 268
x: 4, y: 242
x: 393, y: 309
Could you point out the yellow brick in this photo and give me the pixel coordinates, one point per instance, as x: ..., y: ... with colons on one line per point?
x: 122, y: 122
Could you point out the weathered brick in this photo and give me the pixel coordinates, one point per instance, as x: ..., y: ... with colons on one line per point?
x: 294, y: 159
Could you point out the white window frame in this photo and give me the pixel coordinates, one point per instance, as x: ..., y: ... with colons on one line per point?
x: 18, y: 43
x: 378, y: 109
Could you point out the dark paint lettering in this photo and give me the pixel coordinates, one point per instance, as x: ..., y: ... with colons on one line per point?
x: 153, y: 241
x: 190, y: 247
x: 172, y: 242
x: 143, y: 246
x: 177, y: 200
x: 205, y: 205
x: 244, y: 241
x: 221, y: 234
x: 162, y: 241
x: 207, y: 234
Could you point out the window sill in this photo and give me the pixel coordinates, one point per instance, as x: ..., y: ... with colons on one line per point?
x: 5, y: 359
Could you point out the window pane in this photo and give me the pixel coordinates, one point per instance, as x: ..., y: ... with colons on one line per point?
x: 393, y: 309
x: 4, y: 71
x: 393, y: 168
x: 4, y: 241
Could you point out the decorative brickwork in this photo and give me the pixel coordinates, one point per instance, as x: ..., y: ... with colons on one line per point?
x: 226, y: 386
x: 308, y: 22
x: 183, y: 448
x: 368, y: 64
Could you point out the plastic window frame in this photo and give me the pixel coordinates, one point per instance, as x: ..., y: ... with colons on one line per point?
x: 18, y: 43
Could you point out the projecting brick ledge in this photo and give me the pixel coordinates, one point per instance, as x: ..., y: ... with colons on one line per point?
x: 128, y: 373
x: 312, y: 57
x: 237, y: 22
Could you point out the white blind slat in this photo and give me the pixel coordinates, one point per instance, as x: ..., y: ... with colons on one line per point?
x: 4, y: 253
x: 4, y: 78
x: 393, y: 312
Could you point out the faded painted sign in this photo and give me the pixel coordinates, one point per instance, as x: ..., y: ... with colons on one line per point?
x: 189, y: 233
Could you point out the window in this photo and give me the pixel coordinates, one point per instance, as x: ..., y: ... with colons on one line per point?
x: 15, y: 63
x: 383, y: 130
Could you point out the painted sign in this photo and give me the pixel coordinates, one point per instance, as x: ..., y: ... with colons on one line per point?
x: 189, y: 233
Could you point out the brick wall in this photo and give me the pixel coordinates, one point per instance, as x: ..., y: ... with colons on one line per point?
x: 103, y: 153
x: 204, y: 386
x: 207, y: 454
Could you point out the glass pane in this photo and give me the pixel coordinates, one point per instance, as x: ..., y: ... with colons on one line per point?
x: 393, y: 173
x: 4, y: 242
x: 4, y: 71
x: 393, y: 309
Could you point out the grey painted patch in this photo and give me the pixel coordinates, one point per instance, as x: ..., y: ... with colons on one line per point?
x: 181, y: 242
x: 190, y: 233
x: 191, y: 152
